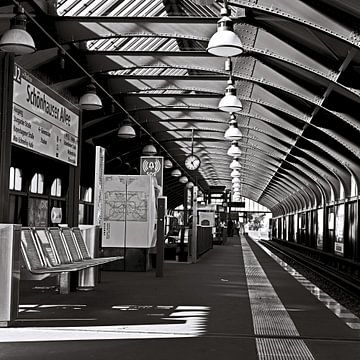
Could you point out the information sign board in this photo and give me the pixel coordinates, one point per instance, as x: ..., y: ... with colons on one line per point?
x: 42, y: 120
x: 152, y: 165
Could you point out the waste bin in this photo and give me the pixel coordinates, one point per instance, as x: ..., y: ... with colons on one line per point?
x: 89, y: 277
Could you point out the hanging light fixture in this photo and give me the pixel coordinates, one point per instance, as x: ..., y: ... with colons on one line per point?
x: 234, y: 149
x: 176, y: 173
x: 235, y: 181
x: 90, y: 100
x: 183, y: 179
x: 235, y: 173
x: 149, y: 150
x: 126, y: 131
x: 17, y: 40
x: 233, y: 132
x: 190, y: 185
x: 235, y: 164
x: 229, y: 102
x: 225, y: 42
x: 168, y: 164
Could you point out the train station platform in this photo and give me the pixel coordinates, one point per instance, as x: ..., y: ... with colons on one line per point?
x: 237, y: 302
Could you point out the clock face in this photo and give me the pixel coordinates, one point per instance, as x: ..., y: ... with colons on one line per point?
x: 192, y: 162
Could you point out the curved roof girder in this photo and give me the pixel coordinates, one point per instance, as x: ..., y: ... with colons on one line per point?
x: 295, y: 195
x: 320, y: 161
x: 282, y: 83
x: 108, y: 61
x: 314, y: 20
x: 340, y: 166
x: 311, y: 166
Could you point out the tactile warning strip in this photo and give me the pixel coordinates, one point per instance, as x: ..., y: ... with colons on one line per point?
x: 340, y: 311
x: 271, y: 321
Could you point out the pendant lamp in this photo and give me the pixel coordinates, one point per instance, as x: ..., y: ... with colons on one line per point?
x: 229, y: 102
x: 234, y: 149
x: 17, y: 40
x: 233, y: 132
x: 225, y: 42
x: 90, y: 100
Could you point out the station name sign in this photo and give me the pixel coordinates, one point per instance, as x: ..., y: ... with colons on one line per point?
x: 42, y: 120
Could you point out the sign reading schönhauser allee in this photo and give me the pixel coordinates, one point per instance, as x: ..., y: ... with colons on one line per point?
x: 42, y: 120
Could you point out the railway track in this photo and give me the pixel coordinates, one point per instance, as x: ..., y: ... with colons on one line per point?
x: 331, y: 274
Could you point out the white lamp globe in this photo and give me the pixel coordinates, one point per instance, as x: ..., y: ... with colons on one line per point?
x: 225, y: 42
x: 168, y: 164
x: 235, y: 164
x: 229, y: 102
x: 235, y: 173
x: 234, y: 150
x: 233, y: 132
x: 176, y: 173
x: 183, y: 179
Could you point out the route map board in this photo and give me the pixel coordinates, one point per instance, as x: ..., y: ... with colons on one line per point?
x: 129, y: 211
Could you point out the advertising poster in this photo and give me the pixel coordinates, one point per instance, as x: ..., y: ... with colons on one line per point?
x: 42, y: 120
x: 339, y: 229
x: 320, y: 229
x: 206, y: 218
x: 38, y: 212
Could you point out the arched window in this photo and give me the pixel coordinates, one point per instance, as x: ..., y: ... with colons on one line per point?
x: 37, y: 184
x: 56, y: 187
x: 15, y: 182
x: 354, y: 189
x: 88, y: 195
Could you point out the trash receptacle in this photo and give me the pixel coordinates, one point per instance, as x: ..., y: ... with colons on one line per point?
x: 89, y: 277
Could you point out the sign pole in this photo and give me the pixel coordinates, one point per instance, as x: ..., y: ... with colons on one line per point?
x: 160, y: 236
x: 194, y: 225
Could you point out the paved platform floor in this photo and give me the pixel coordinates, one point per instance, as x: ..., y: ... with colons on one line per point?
x: 237, y: 302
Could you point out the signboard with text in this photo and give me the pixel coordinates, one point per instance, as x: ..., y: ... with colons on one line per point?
x: 152, y: 165
x: 99, y: 185
x: 42, y: 120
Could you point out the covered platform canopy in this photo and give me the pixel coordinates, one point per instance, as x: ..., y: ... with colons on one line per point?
x: 298, y: 81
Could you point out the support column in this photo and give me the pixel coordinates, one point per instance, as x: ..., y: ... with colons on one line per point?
x: 161, y: 211
x: 6, y: 100
x: 194, y: 252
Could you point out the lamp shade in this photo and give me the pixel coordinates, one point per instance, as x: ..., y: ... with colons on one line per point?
x: 237, y: 187
x: 176, y: 173
x: 90, y: 100
x: 183, y: 179
x: 235, y: 181
x: 126, y: 131
x: 233, y: 132
x: 235, y: 164
x: 190, y: 185
x: 225, y: 42
x: 234, y: 149
x: 235, y: 173
x: 168, y: 164
x: 229, y: 102
x: 149, y: 149
x: 17, y: 39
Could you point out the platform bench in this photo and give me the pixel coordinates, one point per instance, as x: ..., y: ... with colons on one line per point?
x: 52, y: 251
